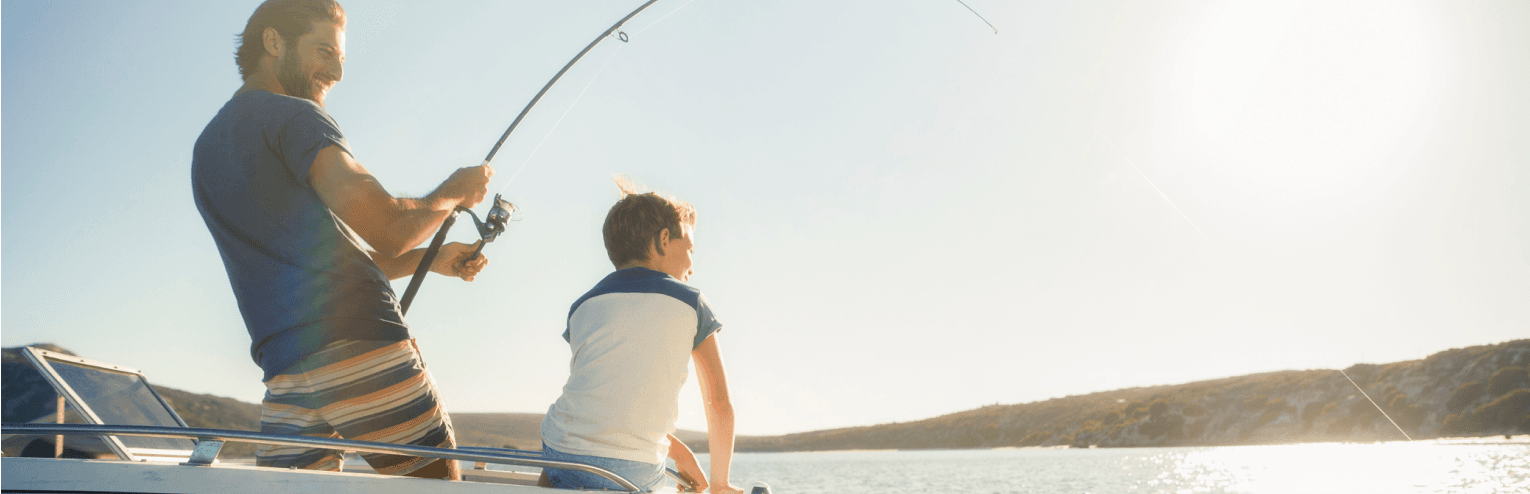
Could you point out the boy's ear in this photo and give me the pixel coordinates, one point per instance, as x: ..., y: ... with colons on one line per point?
x: 663, y: 241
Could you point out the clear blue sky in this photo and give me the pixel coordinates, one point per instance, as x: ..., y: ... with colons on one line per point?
x: 902, y: 214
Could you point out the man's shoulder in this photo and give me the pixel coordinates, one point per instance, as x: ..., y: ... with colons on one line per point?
x: 261, y: 97
x: 273, y: 106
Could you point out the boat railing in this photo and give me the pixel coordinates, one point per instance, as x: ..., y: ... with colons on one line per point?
x: 210, y: 442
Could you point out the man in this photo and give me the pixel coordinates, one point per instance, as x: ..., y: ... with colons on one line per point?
x: 310, y: 240
x: 632, y: 336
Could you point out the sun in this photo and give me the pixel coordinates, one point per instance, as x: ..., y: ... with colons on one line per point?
x: 1308, y: 99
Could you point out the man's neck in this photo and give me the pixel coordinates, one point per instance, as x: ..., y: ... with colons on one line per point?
x: 261, y: 81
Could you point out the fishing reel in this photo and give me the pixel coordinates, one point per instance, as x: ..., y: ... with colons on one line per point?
x: 492, y: 225
x: 489, y: 229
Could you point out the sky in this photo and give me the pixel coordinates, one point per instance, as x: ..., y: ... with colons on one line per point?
x: 901, y: 214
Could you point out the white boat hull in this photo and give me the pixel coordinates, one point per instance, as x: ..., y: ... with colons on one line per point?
x: 116, y: 476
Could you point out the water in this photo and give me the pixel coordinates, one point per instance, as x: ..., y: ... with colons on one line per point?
x: 1392, y: 468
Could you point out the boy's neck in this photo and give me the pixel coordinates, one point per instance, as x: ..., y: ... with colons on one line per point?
x: 649, y: 265
x: 639, y: 264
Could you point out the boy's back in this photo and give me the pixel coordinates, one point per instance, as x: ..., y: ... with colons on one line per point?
x: 632, y: 337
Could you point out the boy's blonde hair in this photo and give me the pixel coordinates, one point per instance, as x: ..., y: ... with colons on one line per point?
x: 636, y: 220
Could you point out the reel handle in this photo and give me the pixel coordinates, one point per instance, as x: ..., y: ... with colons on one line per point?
x: 475, y: 253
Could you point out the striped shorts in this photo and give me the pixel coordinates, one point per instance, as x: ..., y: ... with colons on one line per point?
x: 361, y: 390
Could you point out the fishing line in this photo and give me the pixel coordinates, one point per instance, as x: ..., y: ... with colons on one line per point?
x: 666, y: 16
x: 1378, y: 407
x: 560, y: 119
x: 559, y: 75
x: 624, y: 37
x: 1150, y: 182
x: 500, y: 212
x: 980, y: 16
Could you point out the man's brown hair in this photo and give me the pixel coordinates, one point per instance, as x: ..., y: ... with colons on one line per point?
x: 636, y: 221
x: 291, y: 18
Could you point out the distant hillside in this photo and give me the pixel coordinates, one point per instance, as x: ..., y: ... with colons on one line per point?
x: 1481, y: 390
x: 215, y: 412
x: 499, y: 430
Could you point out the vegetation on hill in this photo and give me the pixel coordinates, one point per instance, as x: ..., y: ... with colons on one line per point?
x: 521, y: 431
x: 1479, y: 390
x: 215, y: 412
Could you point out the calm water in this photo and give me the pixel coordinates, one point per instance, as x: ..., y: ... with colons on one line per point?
x: 1391, y: 468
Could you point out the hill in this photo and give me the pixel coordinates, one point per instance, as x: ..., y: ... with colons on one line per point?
x: 1479, y: 390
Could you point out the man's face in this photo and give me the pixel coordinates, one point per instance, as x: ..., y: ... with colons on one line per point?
x: 312, y: 64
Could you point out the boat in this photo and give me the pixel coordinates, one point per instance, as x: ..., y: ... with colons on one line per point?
x: 145, y: 447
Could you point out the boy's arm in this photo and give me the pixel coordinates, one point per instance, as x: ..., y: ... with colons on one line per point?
x: 714, y: 393
x: 685, y: 462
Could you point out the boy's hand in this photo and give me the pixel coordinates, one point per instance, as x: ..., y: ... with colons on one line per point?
x: 698, y: 482
x: 452, y: 261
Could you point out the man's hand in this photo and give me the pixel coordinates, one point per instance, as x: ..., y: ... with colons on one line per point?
x: 452, y: 261
x: 391, y: 225
x: 469, y: 184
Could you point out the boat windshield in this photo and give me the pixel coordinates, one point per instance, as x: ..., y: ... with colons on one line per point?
x: 121, y: 398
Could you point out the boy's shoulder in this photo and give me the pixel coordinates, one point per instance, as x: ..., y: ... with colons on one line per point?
x: 654, y: 290
x: 642, y: 280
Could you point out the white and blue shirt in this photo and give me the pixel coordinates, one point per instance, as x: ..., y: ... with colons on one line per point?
x: 632, y: 337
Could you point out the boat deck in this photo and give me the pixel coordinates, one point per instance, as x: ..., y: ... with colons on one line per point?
x: 101, y: 476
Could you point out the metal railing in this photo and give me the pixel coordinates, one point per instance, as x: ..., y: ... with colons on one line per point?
x: 685, y: 485
x: 210, y: 442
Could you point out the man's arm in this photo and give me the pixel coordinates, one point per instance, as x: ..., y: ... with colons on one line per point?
x: 392, y: 225
x: 714, y: 393
x: 451, y: 261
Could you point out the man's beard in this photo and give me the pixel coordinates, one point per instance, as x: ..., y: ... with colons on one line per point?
x: 295, y: 84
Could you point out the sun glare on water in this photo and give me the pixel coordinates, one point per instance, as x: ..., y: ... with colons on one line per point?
x: 1380, y: 468
x: 1420, y: 467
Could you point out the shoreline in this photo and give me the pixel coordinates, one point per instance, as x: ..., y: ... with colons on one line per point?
x: 1448, y: 440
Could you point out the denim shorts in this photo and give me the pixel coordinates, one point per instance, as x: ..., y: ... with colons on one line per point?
x: 647, y: 476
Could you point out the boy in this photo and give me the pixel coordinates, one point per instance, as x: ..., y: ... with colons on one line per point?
x: 632, y: 336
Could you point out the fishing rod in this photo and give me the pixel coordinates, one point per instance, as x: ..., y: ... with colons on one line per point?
x: 499, y: 213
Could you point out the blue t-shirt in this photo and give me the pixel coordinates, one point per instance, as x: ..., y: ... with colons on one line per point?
x: 301, y: 276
